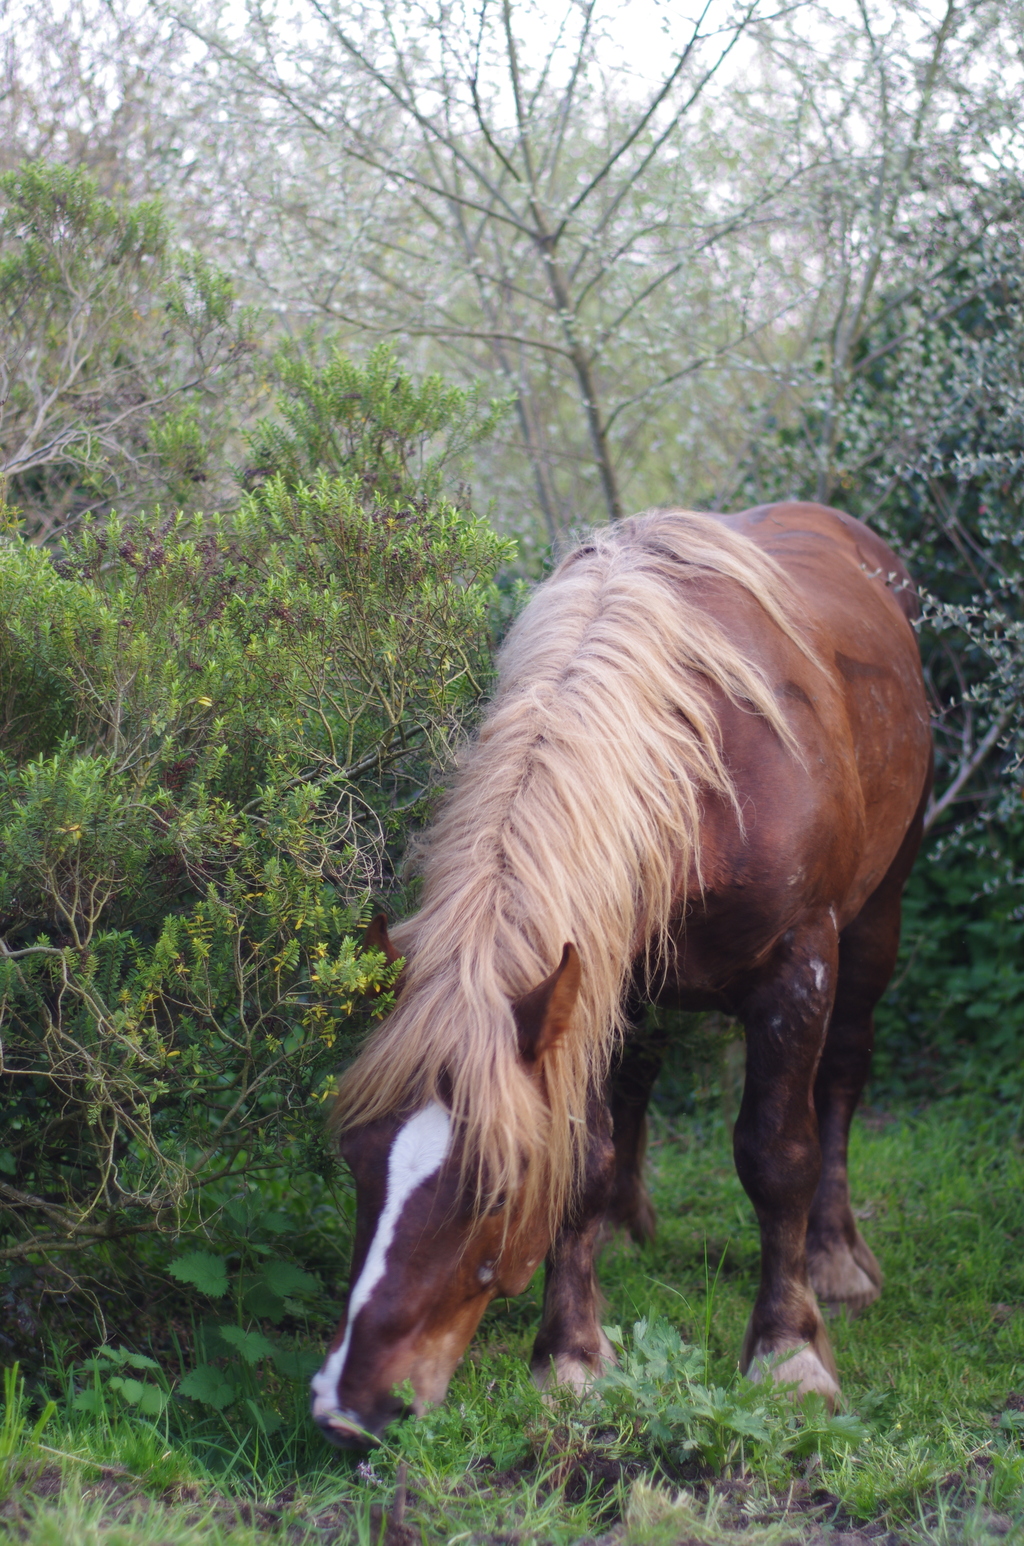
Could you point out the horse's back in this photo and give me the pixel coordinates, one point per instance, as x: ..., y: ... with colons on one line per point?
x: 862, y: 602
x: 819, y: 831
x: 826, y: 540
x: 857, y: 603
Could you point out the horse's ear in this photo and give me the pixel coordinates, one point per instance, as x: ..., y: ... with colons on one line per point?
x: 376, y: 938
x: 543, y: 1014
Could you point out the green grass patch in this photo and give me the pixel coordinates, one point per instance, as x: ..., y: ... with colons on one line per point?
x: 677, y: 1446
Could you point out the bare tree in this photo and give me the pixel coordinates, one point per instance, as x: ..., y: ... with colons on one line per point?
x: 549, y: 214
x: 97, y: 84
x: 906, y: 150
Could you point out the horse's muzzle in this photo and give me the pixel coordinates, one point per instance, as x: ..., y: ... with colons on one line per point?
x: 345, y: 1431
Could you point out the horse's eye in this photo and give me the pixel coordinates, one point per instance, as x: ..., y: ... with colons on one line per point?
x: 498, y: 1204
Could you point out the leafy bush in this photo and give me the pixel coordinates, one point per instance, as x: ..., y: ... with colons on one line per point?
x: 259, y: 1290
x: 215, y: 734
x: 371, y: 422
x: 952, y: 1020
x: 928, y: 450
x: 115, y: 1380
x: 122, y: 354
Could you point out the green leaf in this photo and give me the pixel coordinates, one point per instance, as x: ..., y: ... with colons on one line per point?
x: 748, y: 1423
x: 204, y: 1271
x: 252, y: 1345
x: 296, y: 1363
x: 277, y: 1223
x: 208, y: 1385
x: 262, y: 1303
x: 830, y: 1435
x: 140, y: 1361
x: 283, y: 1277
x: 131, y: 1390
x: 153, y: 1400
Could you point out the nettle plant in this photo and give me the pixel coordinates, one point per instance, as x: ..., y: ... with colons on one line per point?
x: 246, y: 1351
x: 215, y: 732
x: 239, y: 1372
x: 116, y: 1379
x: 661, y: 1399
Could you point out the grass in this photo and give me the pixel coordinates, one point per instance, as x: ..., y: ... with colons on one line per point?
x: 934, y: 1371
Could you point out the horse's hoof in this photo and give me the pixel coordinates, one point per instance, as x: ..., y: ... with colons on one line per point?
x: 567, y: 1373
x: 865, y: 1258
x: 800, y: 1366
x: 573, y: 1373
x: 788, y: 1359
x: 845, y: 1276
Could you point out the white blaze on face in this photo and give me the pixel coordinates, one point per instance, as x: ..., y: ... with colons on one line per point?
x: 417, y: 1152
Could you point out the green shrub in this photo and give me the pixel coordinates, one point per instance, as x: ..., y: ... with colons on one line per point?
x: 123, y: 355
x: 952, y: 1020
x: 374, y: 423
x: 215, y: 732
x: 928, y: 451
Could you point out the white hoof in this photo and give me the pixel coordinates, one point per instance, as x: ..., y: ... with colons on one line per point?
x: 573, y: 1373
x: 569, y: 1373
x: 845, y: 1276
x: 799, y: 1366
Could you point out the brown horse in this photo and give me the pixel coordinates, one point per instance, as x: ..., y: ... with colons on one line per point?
x: 700, y: 783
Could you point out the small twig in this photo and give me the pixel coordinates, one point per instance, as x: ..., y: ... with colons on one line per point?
x: 969, y: 766
x: 398, y: 1507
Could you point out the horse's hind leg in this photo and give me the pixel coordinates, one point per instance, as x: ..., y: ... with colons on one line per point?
x: 785, y: 1012
x: 842, y: 1267
x: 636, y: 1068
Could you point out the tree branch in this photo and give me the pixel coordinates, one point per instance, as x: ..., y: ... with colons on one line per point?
x: 967, y: 769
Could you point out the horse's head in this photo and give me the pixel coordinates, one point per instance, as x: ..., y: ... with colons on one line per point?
x: 427, y: 1260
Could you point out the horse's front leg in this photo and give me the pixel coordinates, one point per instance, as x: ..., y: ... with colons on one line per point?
x: 785, y: 1012
x: 571, y: 1348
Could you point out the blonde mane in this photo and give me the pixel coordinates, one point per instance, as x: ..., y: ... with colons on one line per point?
x: 575, y: 815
